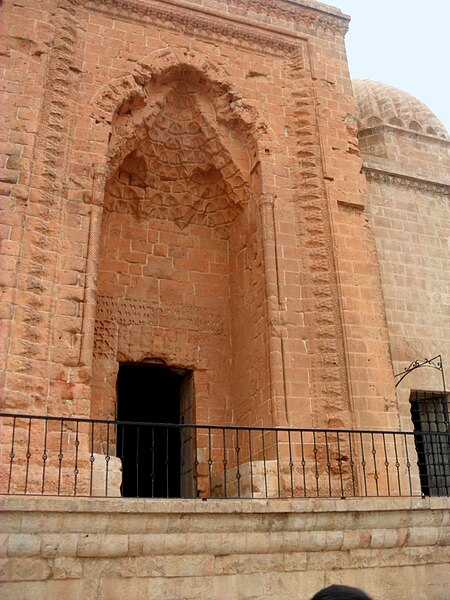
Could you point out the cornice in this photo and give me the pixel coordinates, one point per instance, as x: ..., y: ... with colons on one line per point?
x: 187, y: 13
x: 200, y: 23
x: 318, y: 6
x: 307, y: 14
x: 428, y: 137
x: 405, y: 181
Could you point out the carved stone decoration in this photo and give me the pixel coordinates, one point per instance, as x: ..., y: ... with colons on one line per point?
x: 405, y: 181
x: 170, y: 16
x: 121, y: 100
x: 42, y: 234
x: 114, y: 313
x: 182, y: 159
x: 105, y: 339
x: 179, y: 170
x: 128, y: 311
x: 327, y: 354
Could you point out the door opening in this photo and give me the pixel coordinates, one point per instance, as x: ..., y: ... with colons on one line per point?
x: 153, y: 457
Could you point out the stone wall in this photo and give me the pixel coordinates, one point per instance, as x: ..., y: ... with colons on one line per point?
x: 408, y: 211
x: 110, y: 205
x: 179, y: 550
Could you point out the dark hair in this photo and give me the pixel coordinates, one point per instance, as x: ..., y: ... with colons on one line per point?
x: 340, y: 592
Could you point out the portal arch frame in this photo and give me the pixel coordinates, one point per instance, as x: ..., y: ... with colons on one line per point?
x: 129, y: 94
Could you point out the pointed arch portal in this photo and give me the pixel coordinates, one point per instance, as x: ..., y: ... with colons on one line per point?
x: 180, y: 276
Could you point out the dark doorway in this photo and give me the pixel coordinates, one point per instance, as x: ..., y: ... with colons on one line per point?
x: 151, y: 454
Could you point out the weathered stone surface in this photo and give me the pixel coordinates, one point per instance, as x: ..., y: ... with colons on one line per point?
x: 181, y: 209
x: 182, y: 186
x: 246, y: 548
x: 67, y: 568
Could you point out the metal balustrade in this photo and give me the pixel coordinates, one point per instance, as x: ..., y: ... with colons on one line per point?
x: 61, y: 456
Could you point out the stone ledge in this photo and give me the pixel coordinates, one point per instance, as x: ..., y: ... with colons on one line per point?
x: 165, y: 506
x: 108, y: 549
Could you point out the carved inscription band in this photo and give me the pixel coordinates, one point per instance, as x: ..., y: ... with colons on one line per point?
x: 127, y: 311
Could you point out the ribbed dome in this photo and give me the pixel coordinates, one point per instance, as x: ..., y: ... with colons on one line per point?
x: 378, y: 103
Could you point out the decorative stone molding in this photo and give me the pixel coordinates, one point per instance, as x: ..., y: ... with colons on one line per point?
x: 42, y: 232
x: 113, y: 313
x: 405, y: 181
x: 208, y: 189
x: 230, y: 106
x: 302, y: 16
x: 371, y: 127
x: 129, y: 311
x: 327, y: 353
x: 266, y: 199
x: 194, y: 23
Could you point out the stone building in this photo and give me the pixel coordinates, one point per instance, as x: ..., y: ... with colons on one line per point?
x: 206, y: 224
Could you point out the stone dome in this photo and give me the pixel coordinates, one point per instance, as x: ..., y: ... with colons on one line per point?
x: 378, y: 103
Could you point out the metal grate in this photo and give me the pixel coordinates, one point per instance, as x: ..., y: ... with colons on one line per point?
x: 429, y: 412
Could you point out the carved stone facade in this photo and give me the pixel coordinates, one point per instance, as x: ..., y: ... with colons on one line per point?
x: 179, y: 205
x: 183, y: 184
x: 198, y: 186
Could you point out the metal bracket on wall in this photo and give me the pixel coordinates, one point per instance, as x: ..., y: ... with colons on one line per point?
x: 434, y: 363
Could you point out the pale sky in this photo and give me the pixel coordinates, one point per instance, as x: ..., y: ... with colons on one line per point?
x: 404, y: 43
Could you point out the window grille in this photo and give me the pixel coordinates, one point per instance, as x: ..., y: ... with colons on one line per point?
x: 429, y: 412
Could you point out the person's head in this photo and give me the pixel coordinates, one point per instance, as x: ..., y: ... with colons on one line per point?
x: 341, y: 592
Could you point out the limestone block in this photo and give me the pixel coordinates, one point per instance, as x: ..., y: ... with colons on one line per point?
x: 245, y: 542
x: 423, y: 536
x: 46, y: 522
x: 334, y: 539
x: 102, y: 545
x: 312, y: 543
x: 149, y: 566
x: 12, y: 590
x: 188, y: 566
x: 256, y: 479
x: 24, y: 569
x: 384, y: 538
x: 113, y: 588
x: 11, y: 522
x: 106, y: 475
x: 229, y: 550
x: 248, y: 563
x: 292, y: 585
x: 170, y: 543
x: 444, y: 536
x: 3, y: 544
x: 64, y: 544
x: 67, y: 568
x: 95, y: 569
x: 355, y: 539
x: 135, y: 544
x: 20, y: 544
x: 356, y: 558
x: 186, y: 588
x: 226, y: 587
x: 242, y: 586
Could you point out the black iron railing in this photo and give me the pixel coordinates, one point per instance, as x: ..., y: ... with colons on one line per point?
x: 59, y: 456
